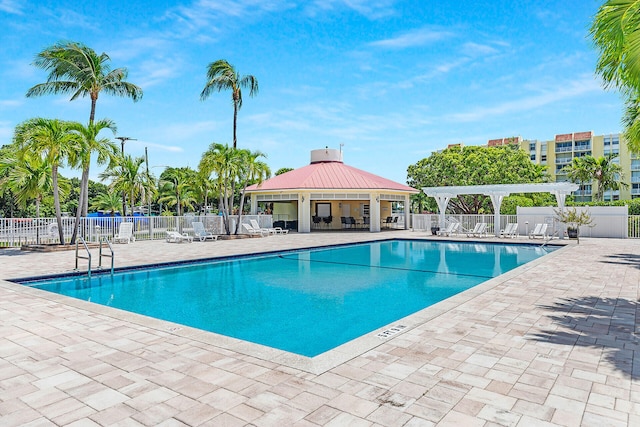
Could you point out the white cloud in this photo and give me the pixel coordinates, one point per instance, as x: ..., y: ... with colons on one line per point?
x: 10, y: 103
x: 580, y: 86
x: 371, y: 9
x: 11, y: 6
x: 476, y: 49
x: 413, y: 38
x: 161, y: 147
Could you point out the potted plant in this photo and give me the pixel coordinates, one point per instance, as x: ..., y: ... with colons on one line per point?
x: 574, y: 220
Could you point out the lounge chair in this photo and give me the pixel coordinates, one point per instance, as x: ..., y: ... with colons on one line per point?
x: 540, y: 230
x: 479, y: 230
x: 452, y: 228
x: 511, y: 230
x: 256, y: 226
x: 175, y: 237
x: 125, y: 233
x: 255, y: 231
x: 202, y: 234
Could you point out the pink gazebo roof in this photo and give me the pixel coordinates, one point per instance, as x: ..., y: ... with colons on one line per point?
x: 331, y: 175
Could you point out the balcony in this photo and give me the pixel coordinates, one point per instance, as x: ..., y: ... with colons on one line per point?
x: 563, y: 149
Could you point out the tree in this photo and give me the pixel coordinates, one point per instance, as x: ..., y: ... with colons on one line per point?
x: 128, y: 178
x: 282, y: 170
x: 78, y: 70
x: 53, y: 139
x: 223, y: 76
x: 27, y: 175
x: 253, y: 171
x: 88, y: 144
x: 109, y: 201
x: 474, y: 165
x: 616, y: 34
x: 176, y: 188
x: 602, y: 170
x: 224, y: 163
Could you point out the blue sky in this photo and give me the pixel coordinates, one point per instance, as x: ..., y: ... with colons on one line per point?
x: 391, y: 80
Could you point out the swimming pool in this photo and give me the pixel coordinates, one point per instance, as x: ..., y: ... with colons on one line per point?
x: 307, y: 301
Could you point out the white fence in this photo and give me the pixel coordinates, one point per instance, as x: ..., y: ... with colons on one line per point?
x: 608, y: 221
x: 15, y: 232
x: 426, y: 222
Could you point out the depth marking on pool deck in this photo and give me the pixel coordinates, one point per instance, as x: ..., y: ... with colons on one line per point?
x: 390, y: 332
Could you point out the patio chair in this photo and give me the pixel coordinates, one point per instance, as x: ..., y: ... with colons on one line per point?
x: 254, y: 231
x: 387, y: 221
x: 510, y: 230
x: 256, y: 226
x: 540, y: 230
x: 201, y: 233
x: 450, y: 229
x: 479, y: 230
x: 175, y: 237
x: 125, y: 233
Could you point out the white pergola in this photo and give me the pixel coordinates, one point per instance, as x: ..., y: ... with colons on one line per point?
x: 497, y: 193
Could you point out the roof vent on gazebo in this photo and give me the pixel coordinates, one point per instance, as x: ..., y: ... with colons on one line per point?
x: 326, y: 155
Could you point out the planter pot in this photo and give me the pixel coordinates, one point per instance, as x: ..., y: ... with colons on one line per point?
x: 434, y: 230
x: 572, y: 233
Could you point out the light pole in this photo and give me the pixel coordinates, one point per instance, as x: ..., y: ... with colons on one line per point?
x: 124, y: 139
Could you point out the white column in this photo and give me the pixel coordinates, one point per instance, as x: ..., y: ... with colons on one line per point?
x: 496, y: 200
x: 374, y: 213
x: 407, y: 213
x: 254, y: 204
x: 442, y: 200
x: 561, y: 197
x: 304, y: 213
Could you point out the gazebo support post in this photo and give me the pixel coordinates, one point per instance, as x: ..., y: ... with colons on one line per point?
x: 496, y: 200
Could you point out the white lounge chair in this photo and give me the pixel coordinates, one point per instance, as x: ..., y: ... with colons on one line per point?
x: 452, y: 228
x: 201, y: 233
x: 540, y: 230
x: 256, y: 226
x: 479, y: 230
x: 510, y: 230
x: 125, y: 233
x: 175, y: 237
x: 255, y: 231
x: 271, y: 230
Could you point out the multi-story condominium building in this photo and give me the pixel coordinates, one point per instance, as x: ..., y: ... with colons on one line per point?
x: 560, y: 151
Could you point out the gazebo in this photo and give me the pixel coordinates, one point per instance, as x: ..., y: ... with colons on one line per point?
x: 497, y: 193
x: 318, y: 195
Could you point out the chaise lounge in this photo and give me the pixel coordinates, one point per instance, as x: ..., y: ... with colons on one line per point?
x: 175, y: 237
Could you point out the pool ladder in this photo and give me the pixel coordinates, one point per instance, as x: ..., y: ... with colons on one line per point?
x: 88, y: 256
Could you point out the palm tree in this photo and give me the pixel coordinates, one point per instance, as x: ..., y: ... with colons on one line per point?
x: 616, y: 34
x: 606, y: 173
x: 109, y: 201
x: 78, y: 70
x: 176, y: 188
x: 225, y: 163
x: 53, y: 139
x: 579, y: 170
x: 128, y: 178
x: 89, y: 143
x: 27, y: 175
x: 253, y: 171
x: 223, y: 76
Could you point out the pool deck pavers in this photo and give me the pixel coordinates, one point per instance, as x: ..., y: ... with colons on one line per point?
x: 552, y: 343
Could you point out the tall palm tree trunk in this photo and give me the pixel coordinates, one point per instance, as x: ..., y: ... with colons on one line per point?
x: 235, y: 122
x: 81, y: 201
x: 56, y: 202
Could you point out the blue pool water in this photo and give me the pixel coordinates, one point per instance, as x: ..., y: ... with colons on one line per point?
x: 305, y: 302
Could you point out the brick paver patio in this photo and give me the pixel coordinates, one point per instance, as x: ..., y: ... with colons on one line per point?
x: 550, y: 344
